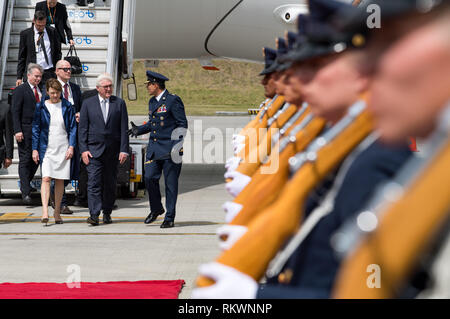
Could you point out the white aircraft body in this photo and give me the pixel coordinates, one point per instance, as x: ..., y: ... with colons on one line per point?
x: 208, y: 29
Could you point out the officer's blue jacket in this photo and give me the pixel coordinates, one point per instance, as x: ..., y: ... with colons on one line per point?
x: 167, y: 125
x: 314, y: 264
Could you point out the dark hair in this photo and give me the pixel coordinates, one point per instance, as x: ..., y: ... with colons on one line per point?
x: 162, y: 85
x: 40, y: 15
x: 54, y: 84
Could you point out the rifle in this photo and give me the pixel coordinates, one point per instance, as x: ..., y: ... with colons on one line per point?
x: 257, y: 155
x: 266, y: 234
x: 264, y: 189
x: 410, y: 212
x: 252, y: 134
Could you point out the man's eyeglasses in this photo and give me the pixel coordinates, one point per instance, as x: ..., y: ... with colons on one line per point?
x: 65, y: 69
x: 107, y: 86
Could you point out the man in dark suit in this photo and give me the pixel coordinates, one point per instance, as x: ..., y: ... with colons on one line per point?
x: 39, y: 44
x: 103, y: 142
x: 167, y: 126
x: 6, y: 136
x: 82, y: 192
x: 57, y: 17
x: 24, y: 101
x: 72, y: 93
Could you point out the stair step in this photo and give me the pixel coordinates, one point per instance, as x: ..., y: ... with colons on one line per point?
x: 85, y: 81
x: 88, y: 66
x: 99, y: 52
x: 97, y: 26
x: 75, y: 14
x: 68, y: 3
x: 29, y: 21
x: 15, y: 176
x: 81, y: 40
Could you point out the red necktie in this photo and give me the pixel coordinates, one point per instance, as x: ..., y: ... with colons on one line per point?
x: 36, y: 94
x: 66, y: 92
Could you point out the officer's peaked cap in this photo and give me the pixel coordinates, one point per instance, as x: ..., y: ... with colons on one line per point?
x: 153, y: 77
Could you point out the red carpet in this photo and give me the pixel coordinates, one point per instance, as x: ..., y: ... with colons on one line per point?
x: 155, y: 289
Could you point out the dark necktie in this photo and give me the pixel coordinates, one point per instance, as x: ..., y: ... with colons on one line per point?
x: 42, y: 44
x: 36, y: 95
x: 66, y: 91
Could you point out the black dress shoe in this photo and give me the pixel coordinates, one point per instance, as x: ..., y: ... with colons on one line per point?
x: 93, y: 221
x: 152, y: 216
x: 27, y: 200
x: 167, y: 224
x: 107, y: 219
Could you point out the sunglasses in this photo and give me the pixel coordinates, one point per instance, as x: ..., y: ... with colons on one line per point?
x: 65, y: 69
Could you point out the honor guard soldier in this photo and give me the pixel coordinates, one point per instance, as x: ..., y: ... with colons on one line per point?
x: 167, y: 126
x: 305, y: 264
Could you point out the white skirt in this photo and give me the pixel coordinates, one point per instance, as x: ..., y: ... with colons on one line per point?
x: 54, y: 163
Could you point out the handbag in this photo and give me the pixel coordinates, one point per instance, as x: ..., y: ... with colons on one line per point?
x: 74, y: 60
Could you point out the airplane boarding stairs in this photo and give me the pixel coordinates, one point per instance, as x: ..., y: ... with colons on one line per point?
x: 97, y: 33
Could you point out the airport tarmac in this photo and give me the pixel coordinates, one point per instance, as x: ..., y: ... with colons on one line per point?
x: 127, y: 250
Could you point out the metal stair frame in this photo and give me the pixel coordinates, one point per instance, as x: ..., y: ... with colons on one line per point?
x: 6, y: 23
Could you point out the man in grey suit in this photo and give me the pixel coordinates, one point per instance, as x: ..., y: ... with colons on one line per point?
x: 103, y: 142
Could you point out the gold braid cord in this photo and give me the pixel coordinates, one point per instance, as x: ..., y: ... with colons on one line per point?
x: 405, y: 230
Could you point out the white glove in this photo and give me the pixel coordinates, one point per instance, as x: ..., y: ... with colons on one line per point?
x: 238, y: 148
x: 237, y: 138
x: 232, y: 163
x: 232, y: 233
x: 237, y: 184
x: 231, y: 210
x: 230, y: 283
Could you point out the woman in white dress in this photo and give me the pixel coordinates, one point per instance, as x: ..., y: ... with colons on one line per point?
x: 53, y: 142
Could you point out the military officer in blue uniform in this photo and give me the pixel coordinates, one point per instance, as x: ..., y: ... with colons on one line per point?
x: 167, y: 126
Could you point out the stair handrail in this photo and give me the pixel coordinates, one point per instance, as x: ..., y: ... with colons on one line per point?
x: 3, y: 11
x: 128, y: 34
x: 114, y: 44
x: 7, y: 8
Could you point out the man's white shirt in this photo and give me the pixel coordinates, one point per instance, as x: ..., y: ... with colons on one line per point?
x: 160, y: 96
x: 40, y: 57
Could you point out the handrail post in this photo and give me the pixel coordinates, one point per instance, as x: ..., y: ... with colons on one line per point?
x: 6, y: 21
x: 114, y: 42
